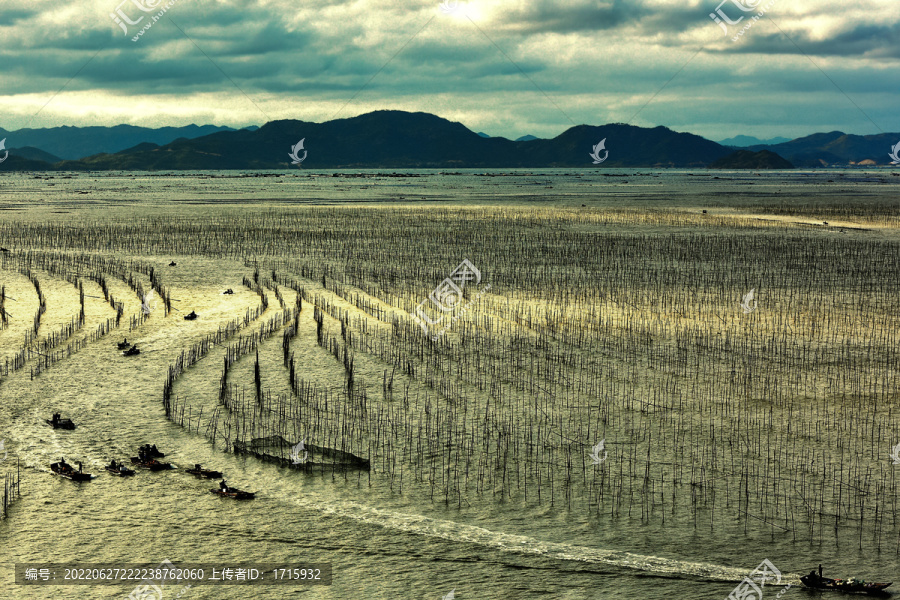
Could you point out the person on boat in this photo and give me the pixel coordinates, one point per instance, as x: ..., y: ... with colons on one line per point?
x: 223, y: 486
x: 820, y: 571
x: 55, y: 418
x: 113, y: 465
x: 80, y: 469
x: 197, y: 467
x: 154, y: 451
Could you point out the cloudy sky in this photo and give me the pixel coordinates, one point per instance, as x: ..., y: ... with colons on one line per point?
x: 505, y: 67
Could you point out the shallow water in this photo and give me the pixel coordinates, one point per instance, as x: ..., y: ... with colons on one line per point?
x: 381, y: 543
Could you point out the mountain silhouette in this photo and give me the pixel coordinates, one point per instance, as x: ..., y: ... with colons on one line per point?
x: 742, y: 141
x: 405, y: 140
x: 72, y: 143
x: 834, y: 148
x: 745, y: 159
x: 396, y: 139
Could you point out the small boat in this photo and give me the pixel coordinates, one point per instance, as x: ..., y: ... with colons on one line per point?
x: 57, y: 423
x: 119, y: 470
x: 850, y: 585
x: 152, y: 464
x: 133, y: 351
x: 124, y: 345
x: 191, y: 316
x: 151, y: 451
x: 233, y: 493
x: 205, y: 473
x: 228, y: 292
x: 66, y: 470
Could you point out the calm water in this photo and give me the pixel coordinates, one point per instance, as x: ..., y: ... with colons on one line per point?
x: 382, y: 544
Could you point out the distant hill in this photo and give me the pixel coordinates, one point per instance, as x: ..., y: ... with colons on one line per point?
x: 72, y: 143
x: 396, y: 139
x: 742, y: 141
x: 745, y: 159
x: 34, y: 154
x: 835, y: 148
x: 20, y: 163
x: 524, y: 138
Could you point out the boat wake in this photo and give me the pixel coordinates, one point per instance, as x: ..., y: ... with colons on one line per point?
x: 530, y: 546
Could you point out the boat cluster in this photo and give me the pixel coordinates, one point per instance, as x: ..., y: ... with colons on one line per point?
x: 147, y: 458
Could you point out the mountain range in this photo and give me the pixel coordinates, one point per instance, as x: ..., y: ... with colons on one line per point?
x: 72, y: 143
x: 836, y: 148
x: 396, y: 139
x: 742, y: 141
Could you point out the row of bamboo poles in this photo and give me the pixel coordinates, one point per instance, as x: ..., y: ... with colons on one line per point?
x: 11, y: 490
x: 41, y: 349
x: 779, y: 419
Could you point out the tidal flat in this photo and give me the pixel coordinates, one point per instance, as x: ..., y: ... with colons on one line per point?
x: 563, y: 383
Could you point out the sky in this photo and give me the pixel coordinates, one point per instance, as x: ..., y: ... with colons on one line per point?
x: 504, y: 67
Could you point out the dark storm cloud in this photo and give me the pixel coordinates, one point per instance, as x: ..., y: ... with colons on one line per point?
x: 546, y: 16
x: 496, y: 65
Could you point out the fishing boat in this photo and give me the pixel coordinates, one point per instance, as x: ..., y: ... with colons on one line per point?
x: 850, y: 585
x: 233, y: 493
x: 190, y: 316
x: 57, y: 423
x: 152, y: 464
x: 228, y: 292
x: 204, y: 473
x: 151, y: 451
x: 65, y: 470
x: 119, y: 470
x: 124, y: 345
x: 131, y: 351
